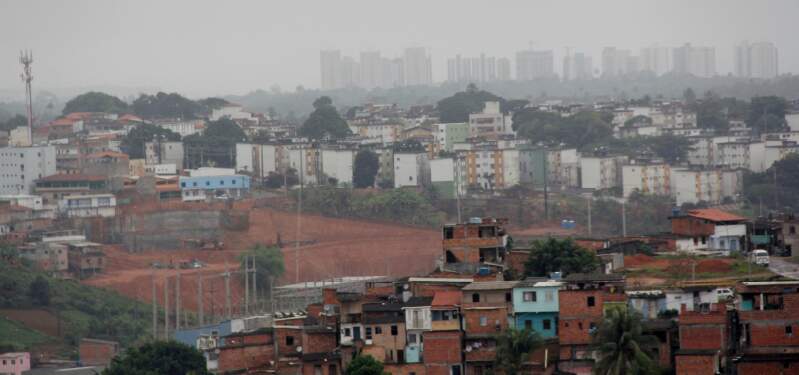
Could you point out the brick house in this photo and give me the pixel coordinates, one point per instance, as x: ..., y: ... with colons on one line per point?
x: 709, y: 229
x: 384, y: 331
x: 248, y: 351
x: 768, y: 333
x: 487, y: 309
x: 704, y: 339
x: 443, y: 352
x: 418, y: 319
x: 583, y: 302
x: 480, y: 241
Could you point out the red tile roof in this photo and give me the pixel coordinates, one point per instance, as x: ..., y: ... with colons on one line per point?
x: 110, y: 154
x: 79, y: 115
x: 446, y: 298
x: 129, y: 117
x: 714, y: 214
x: 62, y: 122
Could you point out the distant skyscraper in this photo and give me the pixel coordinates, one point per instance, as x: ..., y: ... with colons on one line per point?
x: 577, y: 66
x: 474, y: 69
x: 531, y: 64
x: 756, y: 60
x: 656, y: 59
x: 330, y: 62
x: 503, y: 69
x: 371, y: 70
x: 618, y: 62
x: 698, y: 61
x: 393, y: 72
x: 349, y: 73
x: 418, y: 67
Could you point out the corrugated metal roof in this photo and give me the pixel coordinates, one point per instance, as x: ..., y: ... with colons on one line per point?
x: 491, y: 285
x: 714, y: 214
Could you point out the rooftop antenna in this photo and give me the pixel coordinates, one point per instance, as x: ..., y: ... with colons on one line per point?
x: 26, y: 59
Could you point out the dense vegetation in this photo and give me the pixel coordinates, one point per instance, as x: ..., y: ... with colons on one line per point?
x: 398, y: 205
x: 324, y: 122
x: 622, y: 346
x: 160, y: 357
x: 133, y: 143
x: 554, y: 255
x: 13, y: 123
x: 365, y: 169
x: 216, y: 146
x: 777, y: 187
x: 365, y: 365
x: 514, y: 347
x: 85, y: 311
x: 96, y: 102
x: 268, y: 263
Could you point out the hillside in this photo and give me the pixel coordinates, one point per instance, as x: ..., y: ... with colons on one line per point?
x: 74, y: 311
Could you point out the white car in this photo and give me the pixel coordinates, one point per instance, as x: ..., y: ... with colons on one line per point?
x: 724, y: 294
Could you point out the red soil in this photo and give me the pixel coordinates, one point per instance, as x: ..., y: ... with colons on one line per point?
x: 40, y: 320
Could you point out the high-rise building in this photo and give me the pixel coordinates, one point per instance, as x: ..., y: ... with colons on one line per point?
x: 656, y: 59
x: 418, y: 67
x: 532, y: 64
x: 698, y: 61
x: 474, y: 69
x: 577, y: 66
x: 330, y: 61
x: 371, y: 70
x: 350, y: 73
x: 756, y: 60
x: 618, y: 62
x: 22, y: 166
x: 393, y: 73
x: 503, y: 69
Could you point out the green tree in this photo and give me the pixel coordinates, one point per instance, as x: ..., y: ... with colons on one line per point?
x: 95, y: 102
x: 622, y: 345
x: 578, y: 130
x: 133, y: 143
x: 670, y: 147
x: 365, y: 169
x: 163, y: 105
x: 216, y: 146
x: 324, y: 122
x: 689, y: 96
x: 13, y: 123
x: 158, y: 358
x: 365, y: 365
x: 269, y: 264
x: 777, y: 186
x: 513, y: 347
x: 710, y: 113
x: 225, y: 128
x: 553, y: 255
x: 767, y: 114
x: 458, y: 107
x: 39, y: 291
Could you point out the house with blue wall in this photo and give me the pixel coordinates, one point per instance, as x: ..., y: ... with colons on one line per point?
x: 206, y: 183
x: 535, y: 305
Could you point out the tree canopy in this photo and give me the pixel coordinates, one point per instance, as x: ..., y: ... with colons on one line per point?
x: 579, y: 130
x: 457, y: 108
x: 365, y: 169
x: 163, y: 105
x: 13, y: 123
x: 622, y: 345
x: 160, y: 357
x: 216, y: 146
x: 365, y: 365
x: 133, y: 143
x: 514, y: 347
x: 777, y: 187
x: 39, y: 291
x: 94, y: 101
x: 324, y: 122
x: 554, y: 255
x: 767, y: 114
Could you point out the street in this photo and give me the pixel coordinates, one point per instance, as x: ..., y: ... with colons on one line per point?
x: 784, y: 268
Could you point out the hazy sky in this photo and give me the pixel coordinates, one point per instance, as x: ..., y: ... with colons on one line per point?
x: 232, y: 47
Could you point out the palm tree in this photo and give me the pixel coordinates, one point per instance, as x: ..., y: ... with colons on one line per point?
x: 620, y: 343
x: 513, y: 347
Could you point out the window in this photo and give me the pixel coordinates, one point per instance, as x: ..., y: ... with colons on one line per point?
x: 347, y: 332
x: 508, y: 297
x: 529, y: 296
x: 591, y: 301
x: 528, y: 324
x: 207, y: 183
x: 289, y: 340
x: 317, y: 370
x: 368, y: 333
x: 789, y: 330
x: 547, y: 324
x: 182, y: 184
x: 331, y: 370
x: 592, y: 327
x: 580, y: 325
x: 412, y: 338
x: 394, y: 331
x: 792, y: 230
x: 483, y: 321
x: 194, y: 183
x: 221, y: 182
x: 378, y: 330
x: 475, y: 297
x: 232, y: 182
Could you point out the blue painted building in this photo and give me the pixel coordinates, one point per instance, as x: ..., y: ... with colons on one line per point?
x: 535, y: 305
x: 214, y: 182
x: 189, y: 336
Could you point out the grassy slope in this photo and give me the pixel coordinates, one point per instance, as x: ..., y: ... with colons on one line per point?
x: 20, y: 337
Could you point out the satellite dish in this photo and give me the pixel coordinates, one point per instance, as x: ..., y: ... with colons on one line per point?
x: 299, y: 349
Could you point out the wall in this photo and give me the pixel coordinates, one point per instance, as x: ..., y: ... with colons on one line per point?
x: 97, y: 353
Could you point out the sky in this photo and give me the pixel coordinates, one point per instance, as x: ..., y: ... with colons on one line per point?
x: 203, y: 48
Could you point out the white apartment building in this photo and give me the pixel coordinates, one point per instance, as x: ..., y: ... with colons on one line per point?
x: 338, y: 164
x: 563, y: 167
x: 34, y: 202
x: 417, y: 67
x: 164, y: 152
x: 756, y: 60
x: 261, y: 160
x: 20, y: 167
x: 97, y: 205
x: 231, y: 111
x: 698, y: 61
x: 490, y: 168
x: 182, y: 127
x: 490, y: 123
x: 777, y: 150
x: 383, y: 133
x: 705, y: 185
x: 646, y: 178
x: 161, y: 169
x: 601, y: 172
x: 411, y: 169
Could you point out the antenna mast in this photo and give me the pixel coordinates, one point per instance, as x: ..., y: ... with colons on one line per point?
x: 26, y: 59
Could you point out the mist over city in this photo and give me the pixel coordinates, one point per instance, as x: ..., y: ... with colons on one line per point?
x: 416, y: 188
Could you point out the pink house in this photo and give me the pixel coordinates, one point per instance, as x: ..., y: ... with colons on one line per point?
x: 15, y: 363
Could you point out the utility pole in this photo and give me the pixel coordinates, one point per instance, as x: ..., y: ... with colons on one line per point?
x: 624, y: 218
x: 246, y: 285
x: 155, y: 309
x: 177, y: 302
x: 299, y: 221
x: 589, y: 215
x: 228, y: 313
x: 26, y: 59
x: 200, y: 316
x: 458, y: 188
x: 166, y: 307
x: 546, y: 187
x: 254, y: 285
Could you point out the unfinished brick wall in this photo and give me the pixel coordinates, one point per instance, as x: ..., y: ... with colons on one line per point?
x: 285, y: 348
x: 405, y: 369
x: 94, y: 353
x: 245, y: 356
x: 319, y: 342
x: 576, y: 316
x: 703, y: 330
x: 442, y: 347
x: 495, y: 319
x: 695, y: 365
x: 763, y: 368
x: 688, y: 226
